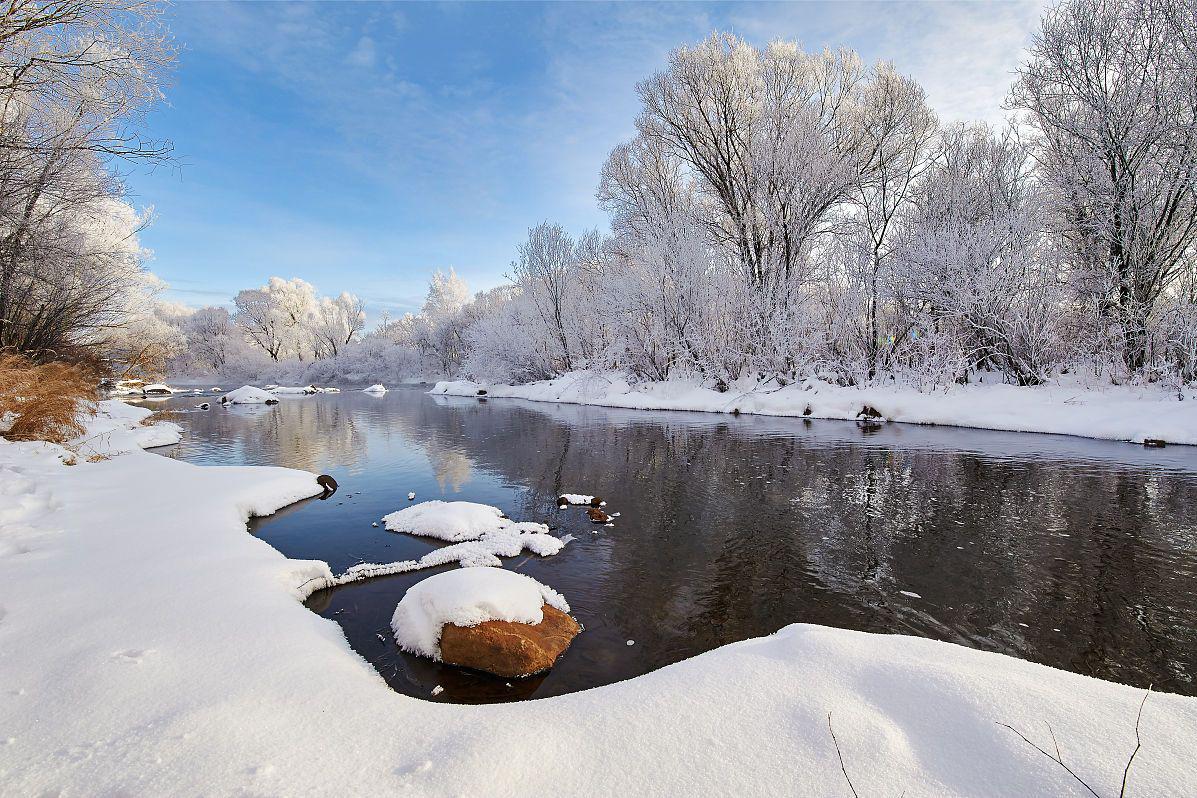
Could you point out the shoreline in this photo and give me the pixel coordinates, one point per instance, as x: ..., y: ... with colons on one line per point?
x: 1115, y: 413
x: 150, y: 645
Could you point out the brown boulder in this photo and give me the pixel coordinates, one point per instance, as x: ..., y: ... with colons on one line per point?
x: 507, y: 648
x: 597, y: 515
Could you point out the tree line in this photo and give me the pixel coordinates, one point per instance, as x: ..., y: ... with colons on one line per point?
x: 778, y: 214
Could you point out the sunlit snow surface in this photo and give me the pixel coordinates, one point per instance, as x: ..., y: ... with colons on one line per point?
x: 149, y: 646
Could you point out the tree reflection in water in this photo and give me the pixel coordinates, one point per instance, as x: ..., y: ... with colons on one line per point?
x: 1078, y: 554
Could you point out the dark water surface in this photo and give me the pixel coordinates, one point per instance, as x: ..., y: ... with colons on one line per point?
x: 1075, y: 553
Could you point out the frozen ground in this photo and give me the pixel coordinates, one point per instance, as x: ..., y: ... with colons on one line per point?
x: 150, y: 646
x: 1111, y: 412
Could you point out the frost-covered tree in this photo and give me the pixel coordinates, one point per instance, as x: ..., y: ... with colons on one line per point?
x: 547, y: 272
x: 335, y: 323
x: 898, y: 127
x: 150, y: 333
x: 1110, y: 89
x: 439, y: 328
x: 974, y: 271
x: 278, y: 317
x: 76, y: 77
x: 769, y: 138
x: 213, y: 338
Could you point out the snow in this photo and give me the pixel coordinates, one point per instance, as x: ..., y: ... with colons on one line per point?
x: 117, y: 428
x: 467, y: 597
x: 576, y: 498
x: 159, y: 388
x: 1112, y: 412
x: 375, y: 389
x: 483, y: 552
x: 479, y: 533
x: 150, y: 646
x: 309, y: 389
x: 248, y: 395
x: 453, y: 521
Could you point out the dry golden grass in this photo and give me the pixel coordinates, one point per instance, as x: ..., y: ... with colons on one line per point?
x: 49, y: 400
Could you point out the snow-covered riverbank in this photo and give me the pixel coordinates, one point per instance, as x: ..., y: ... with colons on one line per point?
x: 150, y: 646
x: 1114, y: 413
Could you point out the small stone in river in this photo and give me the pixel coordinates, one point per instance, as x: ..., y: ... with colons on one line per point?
x: 597, y: 515
x: 374, y: 524
x: 411, y: 496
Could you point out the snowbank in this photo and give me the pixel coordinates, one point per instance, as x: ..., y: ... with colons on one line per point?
x: 1115, y: 413
x: 117, y: 428
x: 248, y: 395
x: 150, y: 646
x: 467, y: 598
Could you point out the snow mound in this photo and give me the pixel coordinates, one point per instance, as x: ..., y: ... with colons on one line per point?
x: 308, y: 389
x: 467, y: 598
x: 248, y: 395
x: 159, y: 389
x: 379, y: 388
x: 455, y: 521
x: 575, y: 498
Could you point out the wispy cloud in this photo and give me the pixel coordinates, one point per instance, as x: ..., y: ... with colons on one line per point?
x: 362, y: 146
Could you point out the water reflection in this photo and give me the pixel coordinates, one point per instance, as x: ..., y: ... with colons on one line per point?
x: 1079, y: 554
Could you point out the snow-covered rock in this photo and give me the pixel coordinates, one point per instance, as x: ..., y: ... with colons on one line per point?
x: 467, y: 597
x: 453, y: 521
x: 579, y: 499
x: 294, y: 390
x: 160, y: 389
x: 248, y: 395
x: 376, y: 389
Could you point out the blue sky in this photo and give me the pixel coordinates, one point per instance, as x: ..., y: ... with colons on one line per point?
x: 361, y: 146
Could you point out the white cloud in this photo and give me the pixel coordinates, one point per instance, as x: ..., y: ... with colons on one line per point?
x: 363, y: 54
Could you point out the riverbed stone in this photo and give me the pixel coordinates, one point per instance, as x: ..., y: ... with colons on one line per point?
x: 507, y: 648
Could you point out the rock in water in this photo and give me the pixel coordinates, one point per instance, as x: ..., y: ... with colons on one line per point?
x: 328, y: 483
x: 597, y: 515
x: 507, y: 648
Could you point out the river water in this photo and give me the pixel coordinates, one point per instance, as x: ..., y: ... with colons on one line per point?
x: 1075, y: 553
